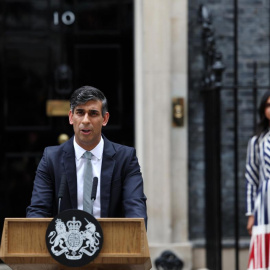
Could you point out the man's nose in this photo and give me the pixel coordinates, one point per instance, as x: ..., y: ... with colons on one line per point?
x: 86, y: 119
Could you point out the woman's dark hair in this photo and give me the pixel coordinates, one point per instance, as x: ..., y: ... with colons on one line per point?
x: 263, y: 124
x: 86, y: 93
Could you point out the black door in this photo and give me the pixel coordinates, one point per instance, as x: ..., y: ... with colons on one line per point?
x: 48, y: 49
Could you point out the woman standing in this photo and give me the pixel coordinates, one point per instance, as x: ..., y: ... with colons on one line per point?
x: 258, y: 191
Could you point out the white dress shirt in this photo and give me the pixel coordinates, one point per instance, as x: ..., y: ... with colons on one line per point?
x: 97, y: 153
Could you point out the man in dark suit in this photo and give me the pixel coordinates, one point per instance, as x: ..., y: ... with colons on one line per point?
x: 120, y: 184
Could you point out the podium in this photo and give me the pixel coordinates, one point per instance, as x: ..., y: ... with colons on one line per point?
x: 125, y: 245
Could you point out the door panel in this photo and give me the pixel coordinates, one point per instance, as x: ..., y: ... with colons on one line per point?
x: 26, y: 85
x: 90, y: 14
x: 107, y: 68
x: 48, y: 49
x: 26, y: 15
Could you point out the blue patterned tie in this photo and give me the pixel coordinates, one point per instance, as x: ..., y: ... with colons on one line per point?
x: 87, y: 184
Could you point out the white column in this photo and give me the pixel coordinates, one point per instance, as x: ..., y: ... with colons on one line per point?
x: 179, y: 138
x: 161, y: 74
x: 157, y: 118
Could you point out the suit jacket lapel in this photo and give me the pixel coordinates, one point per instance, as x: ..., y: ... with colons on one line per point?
x: 107, y: 168
x: 70, y: 169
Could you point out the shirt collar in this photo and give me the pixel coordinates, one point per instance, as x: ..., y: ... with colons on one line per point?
x: 97, y: 151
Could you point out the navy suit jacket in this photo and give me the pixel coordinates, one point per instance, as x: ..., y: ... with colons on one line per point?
x: 121, y: 190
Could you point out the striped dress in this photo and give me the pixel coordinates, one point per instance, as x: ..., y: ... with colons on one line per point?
x: 258, y: 200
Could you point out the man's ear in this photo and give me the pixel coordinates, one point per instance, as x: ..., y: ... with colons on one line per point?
x: 105, y: 119
x: 70, y: 116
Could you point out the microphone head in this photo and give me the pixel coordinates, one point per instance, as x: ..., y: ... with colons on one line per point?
x: 94, y: 188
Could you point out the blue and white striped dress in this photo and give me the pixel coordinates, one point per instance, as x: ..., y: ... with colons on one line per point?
x: 258, y: 200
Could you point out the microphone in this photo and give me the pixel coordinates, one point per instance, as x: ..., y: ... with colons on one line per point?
x: 61, y: 190
x: 94, y: 189
x: 93, y: 194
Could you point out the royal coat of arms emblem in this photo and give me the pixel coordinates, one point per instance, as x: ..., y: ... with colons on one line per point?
x: 74, y: 238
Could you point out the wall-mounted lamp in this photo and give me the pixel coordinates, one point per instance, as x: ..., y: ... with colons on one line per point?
x: 177, y: 112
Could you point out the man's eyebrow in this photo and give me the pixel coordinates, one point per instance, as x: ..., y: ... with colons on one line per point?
x: 94, y: 112
x: 91, y: 110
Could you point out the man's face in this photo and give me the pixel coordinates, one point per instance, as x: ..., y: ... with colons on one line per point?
x: 87, y: 121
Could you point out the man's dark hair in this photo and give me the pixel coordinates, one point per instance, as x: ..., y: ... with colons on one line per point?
x: 86, y: 93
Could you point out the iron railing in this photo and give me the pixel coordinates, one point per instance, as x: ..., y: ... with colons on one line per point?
x: 212, y: 87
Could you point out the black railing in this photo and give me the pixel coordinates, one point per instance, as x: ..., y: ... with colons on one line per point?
x: 212, y: 87
x: 213, y: 69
